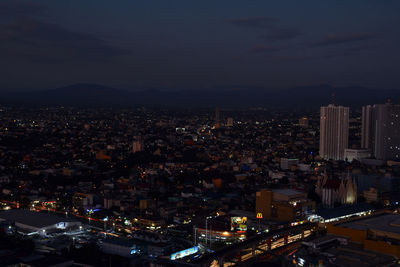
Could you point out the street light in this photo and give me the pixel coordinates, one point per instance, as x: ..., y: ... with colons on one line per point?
x: 89, y: 212
x: 105, y: 220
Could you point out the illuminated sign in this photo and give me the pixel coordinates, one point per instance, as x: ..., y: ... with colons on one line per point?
x: 239, y: 223
x: 61, y: 225
x: 184, y: 253
x: 259, y: 215
x: 92, y: 210
x: 296, y: 223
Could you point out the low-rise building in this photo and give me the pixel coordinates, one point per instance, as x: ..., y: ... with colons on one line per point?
x: 333, y: 250
x: 356, y: 154
x: 378, y: 232
x: 30, y: 222
x: 283, y: 205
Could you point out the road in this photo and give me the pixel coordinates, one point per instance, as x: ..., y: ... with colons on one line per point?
x: 248, y: 255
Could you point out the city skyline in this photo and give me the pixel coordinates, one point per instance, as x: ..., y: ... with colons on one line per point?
x: 199, y: 133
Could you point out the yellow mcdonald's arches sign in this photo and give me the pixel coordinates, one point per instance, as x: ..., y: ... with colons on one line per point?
x: 259, y: 215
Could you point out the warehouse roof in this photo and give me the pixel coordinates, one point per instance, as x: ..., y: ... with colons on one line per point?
x: 344, y: 210
x: 288, y: 192
x: 387, y: 222
x: 32, y: 218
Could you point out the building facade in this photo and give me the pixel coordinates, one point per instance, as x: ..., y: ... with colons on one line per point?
x: 285, y: 205
x: 366, y: 120
x: 378, y: 232
x: 334, y: 132
x: 381, y: 130
x: 331, y: 191
x: 356, y: 154
x: 303, y: 122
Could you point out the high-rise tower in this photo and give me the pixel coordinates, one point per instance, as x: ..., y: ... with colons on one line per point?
x: 217, y: 118
x: 366, y: 127
x: 381, y: 133
x: 334, y: 132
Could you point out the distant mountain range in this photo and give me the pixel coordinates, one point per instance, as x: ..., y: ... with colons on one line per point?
x: 299, y: 97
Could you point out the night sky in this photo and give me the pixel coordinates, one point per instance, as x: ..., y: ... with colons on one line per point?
x: 199, y: 44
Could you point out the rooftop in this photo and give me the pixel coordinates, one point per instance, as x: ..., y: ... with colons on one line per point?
x: 287, y: 192
x: 32, y: 218
x: 344, y: 210
x: 353, y: 255
x: 385, y: 222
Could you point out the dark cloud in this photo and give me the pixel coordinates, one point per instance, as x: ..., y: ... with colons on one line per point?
x: 279, y: 34
x: 360, y: 48
x: 31, y: 39
x: 335, y: 39
x: 254, y: 22
x: 349, y: 51
x: 18, y: 8
x: 265, y: 49
x: 26, y: 35
x: 32, y: 30
x: 273, y: 32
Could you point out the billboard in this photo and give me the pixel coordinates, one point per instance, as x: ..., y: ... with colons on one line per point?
x: 238, y: 223
x: 184, y: 253
x: 61, y: 225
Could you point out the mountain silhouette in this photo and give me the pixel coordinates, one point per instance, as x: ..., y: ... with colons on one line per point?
x: 298, y: 97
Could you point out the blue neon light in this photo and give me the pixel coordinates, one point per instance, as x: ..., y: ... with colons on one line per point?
x: 184, y: 253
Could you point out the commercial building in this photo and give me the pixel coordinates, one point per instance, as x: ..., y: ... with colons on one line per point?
x: 379, y: 232
x: 334, y: 132
x: 381, y: 130
x: 330, y: 215
x: 284, y: 205
x: 84, y: 200
x: 229, y: 122
x: 136, y: 246
x: 222, y: 235
x: 30, y: 222
x: 137, y: 144
x: 223, y: 229
x: 356, y: 154
x: 121, y: 247
x: 303, y: 122
x: 379, y: 188
x: 287, y: 163
x: 372, y: 195
x: 333, y: 250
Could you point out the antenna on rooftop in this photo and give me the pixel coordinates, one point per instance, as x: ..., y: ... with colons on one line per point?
x: 333, y: 96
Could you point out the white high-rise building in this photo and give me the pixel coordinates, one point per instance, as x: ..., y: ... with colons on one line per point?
x: 334, y: 132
